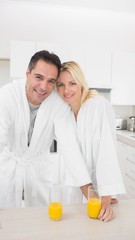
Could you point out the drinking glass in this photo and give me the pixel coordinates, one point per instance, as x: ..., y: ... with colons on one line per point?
x: 55, y: 202
x: 94, y: 202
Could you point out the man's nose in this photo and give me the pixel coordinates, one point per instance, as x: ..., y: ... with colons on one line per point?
x: 43, y: 85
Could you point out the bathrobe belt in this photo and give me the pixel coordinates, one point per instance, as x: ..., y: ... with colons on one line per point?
x: 20, y: 178
x: 23, y: 162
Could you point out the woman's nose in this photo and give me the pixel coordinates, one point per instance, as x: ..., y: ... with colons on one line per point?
x: 66, y: 89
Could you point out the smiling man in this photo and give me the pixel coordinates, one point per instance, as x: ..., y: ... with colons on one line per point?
x: 31, y: 115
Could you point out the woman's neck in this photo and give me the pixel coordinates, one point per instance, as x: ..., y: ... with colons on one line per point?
x: 75, y: 108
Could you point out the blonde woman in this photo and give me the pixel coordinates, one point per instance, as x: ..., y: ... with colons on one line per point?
x: 95, y: 124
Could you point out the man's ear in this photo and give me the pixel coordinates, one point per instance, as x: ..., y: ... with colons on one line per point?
x: 27, y: 72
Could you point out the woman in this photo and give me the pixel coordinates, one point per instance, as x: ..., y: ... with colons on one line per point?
x: 95, y: 122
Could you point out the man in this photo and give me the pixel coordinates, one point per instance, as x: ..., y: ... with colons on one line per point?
x: 31, y: 114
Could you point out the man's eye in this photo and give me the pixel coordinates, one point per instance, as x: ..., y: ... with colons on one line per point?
x: 38, y: 77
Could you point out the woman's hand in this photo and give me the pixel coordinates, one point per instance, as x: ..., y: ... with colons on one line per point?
x: 106, y: 212
x: 114, y: 200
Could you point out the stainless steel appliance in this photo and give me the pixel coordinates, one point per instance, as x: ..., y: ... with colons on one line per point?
x: 121, y: 123
x: 131, y: 126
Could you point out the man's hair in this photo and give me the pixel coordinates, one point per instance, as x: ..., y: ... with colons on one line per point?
x: 46, y: 57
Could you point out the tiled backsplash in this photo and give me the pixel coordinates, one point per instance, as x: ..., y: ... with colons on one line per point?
x: 124, y: 111
x: 104, y: 92
x: 134, y: 110
x: 120, y: 111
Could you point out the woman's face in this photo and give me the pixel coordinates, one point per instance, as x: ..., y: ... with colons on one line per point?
x: 68, y: 89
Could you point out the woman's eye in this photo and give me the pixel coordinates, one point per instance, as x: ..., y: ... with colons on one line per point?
x: 73, y: 83
x: 51, y: 81
x: 59, y: 84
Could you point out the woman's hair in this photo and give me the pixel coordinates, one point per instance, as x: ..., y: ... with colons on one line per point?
x: 77, y: 74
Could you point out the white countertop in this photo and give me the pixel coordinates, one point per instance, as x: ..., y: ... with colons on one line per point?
x: 126, y: 137
x: 34, y: 224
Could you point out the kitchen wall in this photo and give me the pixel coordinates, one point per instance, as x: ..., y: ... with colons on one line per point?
x: 95, y: 29
x: 4, y: 71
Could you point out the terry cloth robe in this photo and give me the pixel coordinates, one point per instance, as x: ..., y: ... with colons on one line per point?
x: 28, y: 168
x: 97, y: 140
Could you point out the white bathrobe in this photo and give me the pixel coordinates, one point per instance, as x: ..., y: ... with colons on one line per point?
x: 29, y: 168
x: 97, y: 140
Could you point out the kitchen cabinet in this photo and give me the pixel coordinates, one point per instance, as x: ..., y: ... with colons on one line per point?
x: 66, y: 53
x: 21, y: 52
x: 98, y: 68
x: 123, y: 78
x: 96, y: 64
x: 126, y: 155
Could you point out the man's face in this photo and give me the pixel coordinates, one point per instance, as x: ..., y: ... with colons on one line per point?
x: 40, y: 82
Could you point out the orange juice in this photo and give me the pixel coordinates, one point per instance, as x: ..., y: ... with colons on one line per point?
x: 94, y: 206
x: 55, y: 210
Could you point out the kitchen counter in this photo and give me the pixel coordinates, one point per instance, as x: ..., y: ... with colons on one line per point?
x: 126, y: 137
x: 34, y: 224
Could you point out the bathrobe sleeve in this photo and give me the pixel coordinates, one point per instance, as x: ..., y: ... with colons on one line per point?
x: 109, y: 178
x: 5, y: 118
x: 68, y: 149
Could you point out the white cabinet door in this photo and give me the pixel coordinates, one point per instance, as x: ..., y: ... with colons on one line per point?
x: 66, y: 52
x: 123, y: 79
x: 95, y: 64
x: 130, y: 170
x: 21, y: 52
x: 51, y: 47
x: 98, y: 68
x: 126, y: 156
x: 121, y: 149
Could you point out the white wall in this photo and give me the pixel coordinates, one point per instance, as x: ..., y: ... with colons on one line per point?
x: 4, y: 72
x: 39, y: 22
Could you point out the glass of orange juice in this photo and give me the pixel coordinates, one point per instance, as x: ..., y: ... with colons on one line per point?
x: 94, y: 202
x: 55, y: 202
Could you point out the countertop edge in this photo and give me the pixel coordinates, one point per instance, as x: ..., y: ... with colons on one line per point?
x: 126, y: 137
